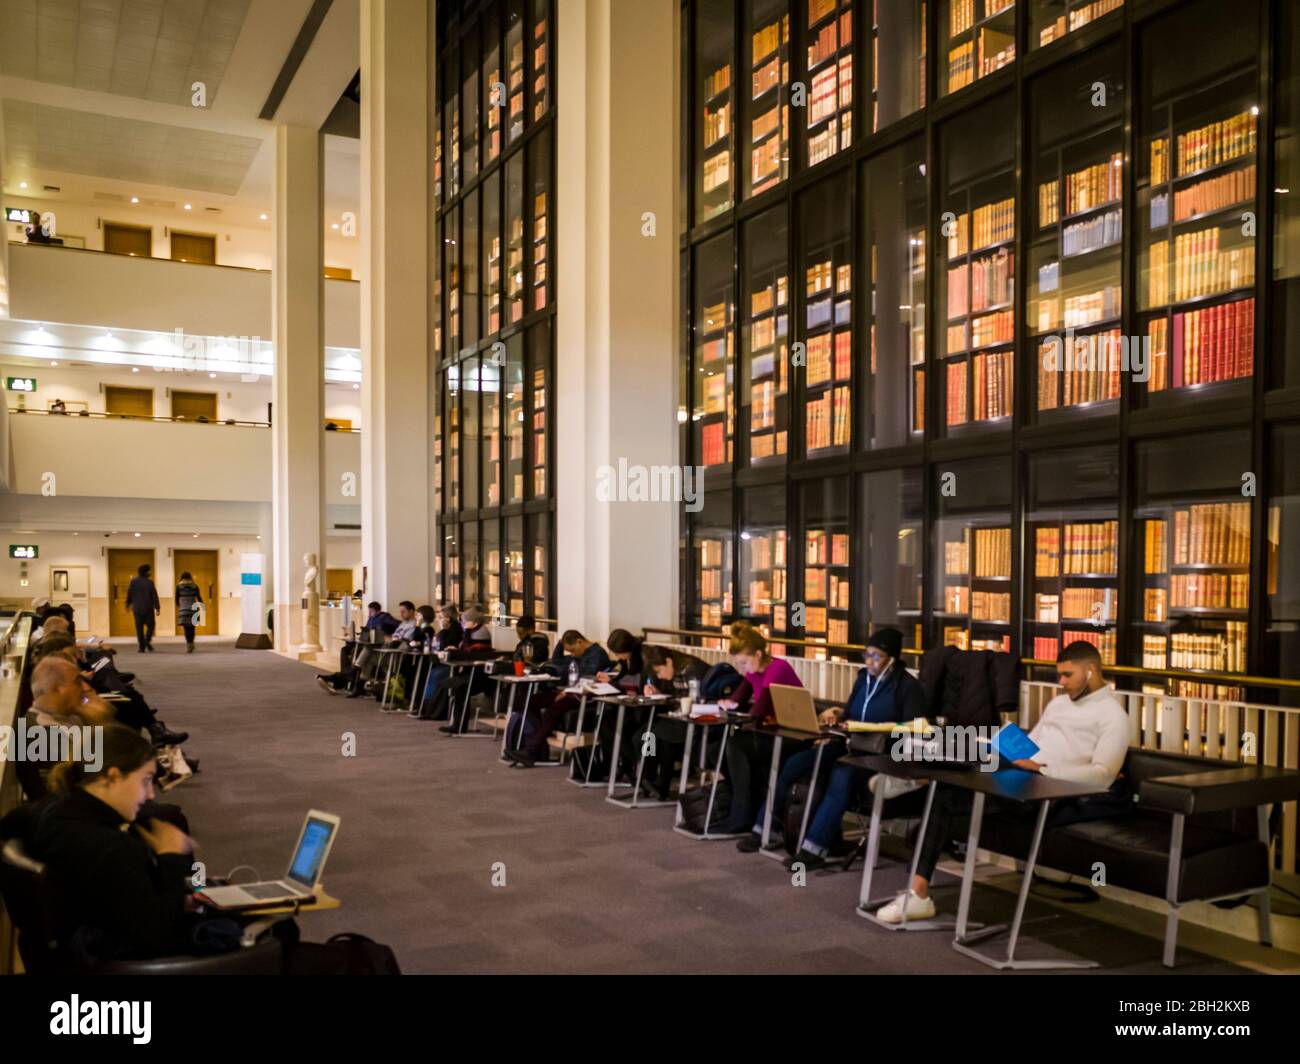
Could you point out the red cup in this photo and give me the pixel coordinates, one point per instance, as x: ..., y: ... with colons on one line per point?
x: 519, y: 668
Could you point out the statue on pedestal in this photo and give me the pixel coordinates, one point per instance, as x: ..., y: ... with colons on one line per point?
x: 310, y: 605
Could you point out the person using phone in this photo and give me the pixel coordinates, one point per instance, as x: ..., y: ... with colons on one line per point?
x: 1083, y: 736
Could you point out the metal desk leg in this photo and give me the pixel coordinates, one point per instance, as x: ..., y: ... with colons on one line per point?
x: 510, y: 715
x: 686, y: 768
x: 961, y: 942
x: 417, y: 695
x: 773, y: 771
x: 865, y: 903
x: 618, y: 742
x: 706, y: 835
x: 635, y: 801
x: 812, y: 791
x: 577, y: 731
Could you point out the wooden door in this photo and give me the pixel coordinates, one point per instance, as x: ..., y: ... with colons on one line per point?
x: 194, y: 247
x: 128, y: 402
x: 202, y: 567
x: 122, y: 567
x: 71, y: 584
x: 193, y: 405
x: 123, y: 239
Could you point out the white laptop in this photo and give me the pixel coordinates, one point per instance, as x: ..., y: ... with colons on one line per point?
x: 298, y: 884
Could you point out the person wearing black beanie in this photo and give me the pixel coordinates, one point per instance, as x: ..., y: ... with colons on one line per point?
x: 884, y: 691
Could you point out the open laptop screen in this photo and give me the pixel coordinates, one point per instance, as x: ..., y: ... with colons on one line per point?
x: 312, y: 848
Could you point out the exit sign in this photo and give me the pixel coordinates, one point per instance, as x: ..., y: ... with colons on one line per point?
x: 20, y: 384
x: 24, y: 550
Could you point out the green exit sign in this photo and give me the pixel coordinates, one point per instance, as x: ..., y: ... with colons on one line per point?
x: 24, y: 550
x: 20, y: 384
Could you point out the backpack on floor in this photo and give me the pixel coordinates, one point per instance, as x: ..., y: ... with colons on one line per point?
x: 694, y: 806
x: 794, y: 807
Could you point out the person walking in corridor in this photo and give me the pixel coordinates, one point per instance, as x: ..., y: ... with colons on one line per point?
x: 142, y: 601
x: 189, y: 608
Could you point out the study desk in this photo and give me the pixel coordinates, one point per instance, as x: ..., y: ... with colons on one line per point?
x: 1015, y: 785
x: 778, y: 735
x: 624, y: 702
x: 273, y: 914
x: 727, y: 722
x: 528, y: 681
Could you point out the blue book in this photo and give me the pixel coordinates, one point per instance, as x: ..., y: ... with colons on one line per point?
x: 1012, y: 744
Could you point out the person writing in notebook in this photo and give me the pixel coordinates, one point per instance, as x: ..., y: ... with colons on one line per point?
x: 1082, y: 736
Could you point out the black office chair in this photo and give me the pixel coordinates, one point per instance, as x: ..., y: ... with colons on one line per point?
x: 23, y: 887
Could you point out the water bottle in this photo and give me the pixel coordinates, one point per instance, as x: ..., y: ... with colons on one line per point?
x: 694, y: 688
x: 573, y: 674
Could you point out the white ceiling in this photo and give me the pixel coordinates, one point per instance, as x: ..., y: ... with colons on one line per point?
x: 98, y: 100
x: 41, y: 138
x: 148, y: 49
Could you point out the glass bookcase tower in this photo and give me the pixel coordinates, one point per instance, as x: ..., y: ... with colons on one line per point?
x: 1038, y: 252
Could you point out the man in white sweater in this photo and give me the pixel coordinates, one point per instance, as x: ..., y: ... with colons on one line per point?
x: 1082, y: 736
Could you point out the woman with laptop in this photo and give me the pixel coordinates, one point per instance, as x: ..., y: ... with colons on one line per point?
x: 749, y: 751
x: 884, y: 691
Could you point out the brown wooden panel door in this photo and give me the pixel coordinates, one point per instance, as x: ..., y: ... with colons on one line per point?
x: 129, y: 402
x: 194, y: 247
x: 122, y: 566
x: 194, y: 405
x: 123, y: 239
x: 202, y: 565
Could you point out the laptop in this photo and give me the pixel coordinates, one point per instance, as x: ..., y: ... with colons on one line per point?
x: 299, y: 883
x: 795, y: 708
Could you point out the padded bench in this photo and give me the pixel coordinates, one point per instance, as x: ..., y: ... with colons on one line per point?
x: 1199, y: 832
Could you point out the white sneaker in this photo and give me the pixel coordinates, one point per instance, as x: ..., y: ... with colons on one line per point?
x: 909, y: 906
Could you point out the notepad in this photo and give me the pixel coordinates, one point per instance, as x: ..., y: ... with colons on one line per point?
x: 591, y: 687
x: 705, y: 709
x: 918, y: 726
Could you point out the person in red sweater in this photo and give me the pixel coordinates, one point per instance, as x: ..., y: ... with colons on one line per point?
x: 749, y: 752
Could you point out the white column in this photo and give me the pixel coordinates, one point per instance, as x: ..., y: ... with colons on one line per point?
x: 298, y: 316
x: 616, y: 361
x: 395, y: 298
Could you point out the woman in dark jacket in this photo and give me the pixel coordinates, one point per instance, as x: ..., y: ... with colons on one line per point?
x: 668, y: 672
x: 114, y: 892
x: 189, y: 604
x: 884, y: 691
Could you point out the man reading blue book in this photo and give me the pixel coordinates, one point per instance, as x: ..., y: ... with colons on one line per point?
x: 1083, y: 735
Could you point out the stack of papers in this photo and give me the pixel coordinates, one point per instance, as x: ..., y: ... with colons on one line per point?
x: 920, y: 726
x: 706, y: 709
x: 591, y: 687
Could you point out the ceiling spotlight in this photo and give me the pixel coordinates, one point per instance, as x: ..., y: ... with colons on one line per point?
x: 335, y: 225
x: 356, y: 387
x: 135, y: 369
x: 22, y: 184
x: 137, y: 535
x: 188, y: 207
x: 135, y: 199
x: 52, y: 363
x: 213, y: 376
x: 262, y: 216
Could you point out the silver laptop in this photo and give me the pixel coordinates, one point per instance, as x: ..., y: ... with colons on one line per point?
x: 298, y: 884
x: 795, y: 709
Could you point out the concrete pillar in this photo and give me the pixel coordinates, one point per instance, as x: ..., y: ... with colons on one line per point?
x: 298, y: 322
x: 617, y: 289
x: 395, y: 299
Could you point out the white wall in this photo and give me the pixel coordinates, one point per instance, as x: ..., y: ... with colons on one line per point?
x: 65, y: 549
x: 113, y: 458
x: 48, y: 284
x: 235, y: 398
x: 236, y: 245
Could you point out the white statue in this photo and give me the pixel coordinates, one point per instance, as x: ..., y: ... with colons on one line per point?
x: 310, y: 605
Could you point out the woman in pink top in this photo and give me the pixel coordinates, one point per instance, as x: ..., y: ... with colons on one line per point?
x: 748, y: 752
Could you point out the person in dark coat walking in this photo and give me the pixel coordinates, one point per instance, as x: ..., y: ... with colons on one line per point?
x: 189, y: 608
x: 142, y: 601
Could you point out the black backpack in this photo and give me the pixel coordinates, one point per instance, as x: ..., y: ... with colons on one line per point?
x: 694, y: 805
x: 795, y: 805
x: 719, y: 682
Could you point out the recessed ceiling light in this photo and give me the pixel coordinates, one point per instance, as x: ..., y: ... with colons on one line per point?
x: 53, y: 363
x: 356, y: 387
x: 135, y: 199
x: 262, y: 216
x: 22, y: 184
x: 335, y: 225
x: 137, y: 535
x: 188, y: 207
x: 213, y: 376
x: 135, y: 369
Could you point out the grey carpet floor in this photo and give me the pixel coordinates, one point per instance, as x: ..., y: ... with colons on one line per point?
x: 588, y: 887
